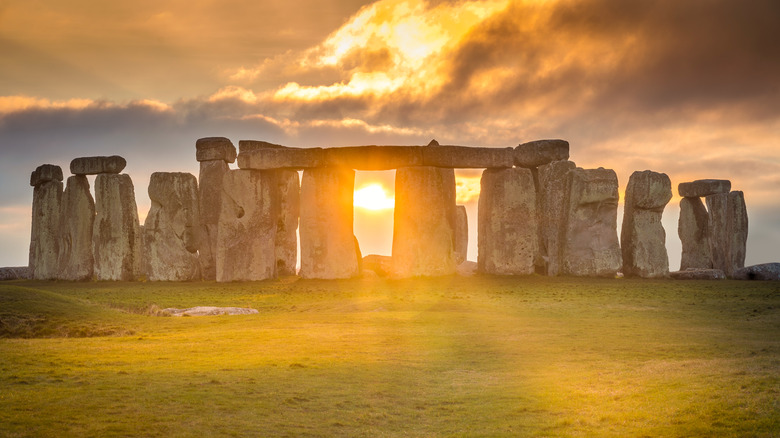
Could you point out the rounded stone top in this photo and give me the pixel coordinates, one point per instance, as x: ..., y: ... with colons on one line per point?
x: 539, y: 152
x: 215, y: 148
x: 97, y: 165
x: 704, y: 187
x: 45, y: 173
x: 648, y: 190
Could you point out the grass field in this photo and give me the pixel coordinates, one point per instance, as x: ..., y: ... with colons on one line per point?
x: 480, y: 356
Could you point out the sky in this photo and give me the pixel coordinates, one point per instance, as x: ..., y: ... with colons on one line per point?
x: 689, y: 88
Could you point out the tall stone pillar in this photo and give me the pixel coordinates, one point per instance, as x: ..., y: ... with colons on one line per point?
x: 552, y: 192
x: 328, y: 249
x: 643, y: 239
x: 44, y: 238
x: 77, y: 219
x: 693, y: 229
x: 116, y: 236
x: 461, y: 234
x: 213, y: 154
x: 728, y: 230
x: 172, y: 227
x: 287, y: 224
x: 508, y: 231
x: 424, y: 222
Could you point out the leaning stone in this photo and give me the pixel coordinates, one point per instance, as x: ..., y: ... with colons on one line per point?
x: 539, y: 152
x: 215, y: 148
x: 694, y: 231
x: 77, y: 218
x: 507, y: 237
x: 210, y: 205
x: 552, y: 192
x: 463, y: 157
x: 728, y: 230
x: 268, y: 158
x: 15, y: 273
x: 287, y: 224
x: 328, y: 249
x: 703, y: 187
x: 591, y: 242
x: 373, y: 157
x: 172, y: 227
x: 698, y: 274
x: 461, y: 234
x: 97, y: 165
x: 45, y: 230
x: 45, y: 173
x: 643, y: 238
x: 247, y: 226
x: 764, y: 272
x: 424, y: 222
x: 381, y: 265
x: 116, y: 238
x: 209, y: 311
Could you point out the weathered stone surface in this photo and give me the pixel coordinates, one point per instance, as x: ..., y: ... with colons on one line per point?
x: 508, y: 231
x: 45, y: 173
x: 14, y: 273
x: 465, y: 157
x: 116, y: 238
x: 381, y: 265
x: 246, y: 236
x: 764, y: 272
x: 698, y: 274
x: 245, y: 146
x: 694, y: 230
x: 287, y: 224
x: 172, y: 228
x: 210, y: 205
x: 643, y: 238
x: 45, y: 230
x: 539, y: 152
x: 268, y: 158
x: 592, y: 248
x: 424, y: 222
x: 373, y: 157
x: 703, y: 187
x: 467, y: 269
x: 328, y: 249
x: 728, y: 230
x: 552, y: 192
x: 209, y: 311
x: 461, y: 234
x: 77, y: 218
x: 215, y: 148
x: 97, y: 165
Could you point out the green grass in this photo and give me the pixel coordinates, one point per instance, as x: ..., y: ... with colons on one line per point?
x: 481, y: 356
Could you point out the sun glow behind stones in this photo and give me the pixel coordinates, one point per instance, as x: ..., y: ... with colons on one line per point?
x: 373, y: 197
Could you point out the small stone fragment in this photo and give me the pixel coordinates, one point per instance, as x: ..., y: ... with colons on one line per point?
x: 381, y: 265
x: 215, y: 148
x: 97, y: 165
x: 703, y: 187
x: 15, y: 273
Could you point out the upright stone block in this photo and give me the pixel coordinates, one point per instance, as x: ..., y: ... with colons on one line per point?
x: 592, y: 248
x: 461, y: 234
x: 728, y: 227
x: 210, y: 205
x: 424, y: 222
x: 45, y: 227
x: 287, y: 224
x: 172, y: 227
x: 215, y: 149
x: 116, y: 238
x: 694, y: 231
x: 247, y: 226
x: 328, y: 249
x: 738, y: 220
x: 508, y: 230
x: 77, y: 219
x: 552, y: 192
x: 643, y: 238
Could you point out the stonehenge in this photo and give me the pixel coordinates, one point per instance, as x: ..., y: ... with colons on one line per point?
x: 537, y: 213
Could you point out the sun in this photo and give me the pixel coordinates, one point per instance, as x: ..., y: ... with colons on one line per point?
x: 373, y: 197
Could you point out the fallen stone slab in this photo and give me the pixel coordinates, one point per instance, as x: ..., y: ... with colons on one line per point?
x: 209, y: 311
x: 14, y: 273
x: 380, y: 264
x: 703, y: 187
x: 539, y: 152
x: 765, y: 272
x: 45, y: 173
x: 467, y: 269
x: 465, y: 157
x: 97, y: 165
x: 373, y: 157
x: 272, y: 157
x: 698, y: 274
x: 215, y: 148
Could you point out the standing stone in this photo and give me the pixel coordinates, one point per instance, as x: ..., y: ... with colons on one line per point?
x: 171, y: 228
x: 694, y: 231
x: 552, y: 192
x: 210, y: 205
x: 327, y: 240
x: 461, y: 234
x: 247, y: 226
x: 45, y: 228
x: 287, y: 224
x: 728, y: 230
x: 424, y: 222
x: 116, y: 239
x: 643, y: 239
x: 738, y: 221
x: 591, y: 246
x: 507, y: 237
x: 76, y: 226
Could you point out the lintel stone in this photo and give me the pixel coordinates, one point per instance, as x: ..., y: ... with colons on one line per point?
x: 97, y: 165
x: 45, y: 173
x: 215, y: 148
x: 703, y: 187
